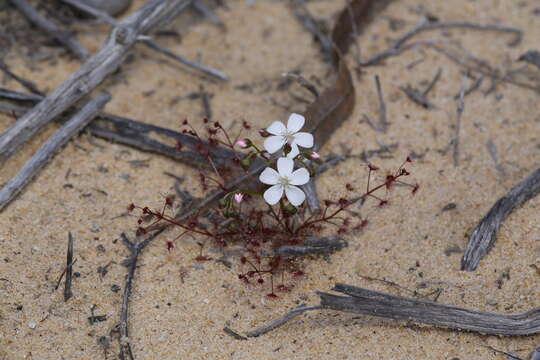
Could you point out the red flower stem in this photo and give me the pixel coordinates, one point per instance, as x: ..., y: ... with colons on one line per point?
x: 277, y: 218
x: 341, y: 208
x: 174, y: 222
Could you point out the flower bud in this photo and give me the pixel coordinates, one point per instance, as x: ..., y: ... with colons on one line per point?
x: 243, y: 143
x: 315, y: 155
x: 238, y: 197
x: 264, y: 133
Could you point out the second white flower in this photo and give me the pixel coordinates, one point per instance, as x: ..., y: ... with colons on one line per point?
x: 288, y: 135
x: 285, y: 180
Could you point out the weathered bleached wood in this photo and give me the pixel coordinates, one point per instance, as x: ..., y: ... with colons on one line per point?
x: 374, y: 303
x: 92, y: 72
x: 50, y: 147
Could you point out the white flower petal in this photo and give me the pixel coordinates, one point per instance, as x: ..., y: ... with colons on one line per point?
x: 295, y: 195
x: 285, y: 166
x: 295, y: 123
x: 269, y: 176
x: 299, y: 176
x: 303, y: 139
x: 273, y: 194
x: 294, y: 151
x: 273, y: 143
x: 277, y: 128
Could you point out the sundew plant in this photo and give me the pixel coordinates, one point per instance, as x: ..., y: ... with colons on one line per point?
x: 269, y: 211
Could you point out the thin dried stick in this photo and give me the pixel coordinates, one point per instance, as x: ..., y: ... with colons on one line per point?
x: 135, y: 249
x: 92, y: 72
x: 66, y: 38
x: 432, y: 25
x: 26, y: 83
x: 191, y: 63
x: 492, y: 150
x: 303, y: 15
x: 481, y: 67
x: 485, y: 233
x: 417, y: 97
x: 50, y: 147
x: 459, y: 111
x: 305, y: 83
x: 382, y: 126
x: 69, y: 269
x: 19, y: 96
x: 208, y: 13
x: 399, y: 45
x: 432, y: 83
x: 149, y: 42
x: 281, y: 320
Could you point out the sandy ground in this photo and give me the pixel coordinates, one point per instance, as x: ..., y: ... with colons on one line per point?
x: 175, y: 317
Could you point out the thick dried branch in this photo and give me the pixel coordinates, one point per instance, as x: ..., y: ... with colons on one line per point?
x: 50, y: 147
x: 375, y: 303
x: 92, y: 72
x: 485, y: 233
x: 142, y: 136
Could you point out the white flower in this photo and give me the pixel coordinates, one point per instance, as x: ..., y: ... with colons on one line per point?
x: 284, y: 180
x: 288, y: 135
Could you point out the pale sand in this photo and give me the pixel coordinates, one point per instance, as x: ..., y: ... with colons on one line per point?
x: 175, y: 320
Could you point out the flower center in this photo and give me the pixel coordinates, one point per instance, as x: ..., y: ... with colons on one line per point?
x: 288, y: 137
x: 284, y: 181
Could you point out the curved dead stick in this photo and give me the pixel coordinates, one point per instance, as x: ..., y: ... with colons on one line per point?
x: 281, y: 320
x: 485, y: 233
x: 375, y: 303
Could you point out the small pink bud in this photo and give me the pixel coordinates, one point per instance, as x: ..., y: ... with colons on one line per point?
x: 238, y: 198
x: 315, y: 155
x: 241, y: 143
